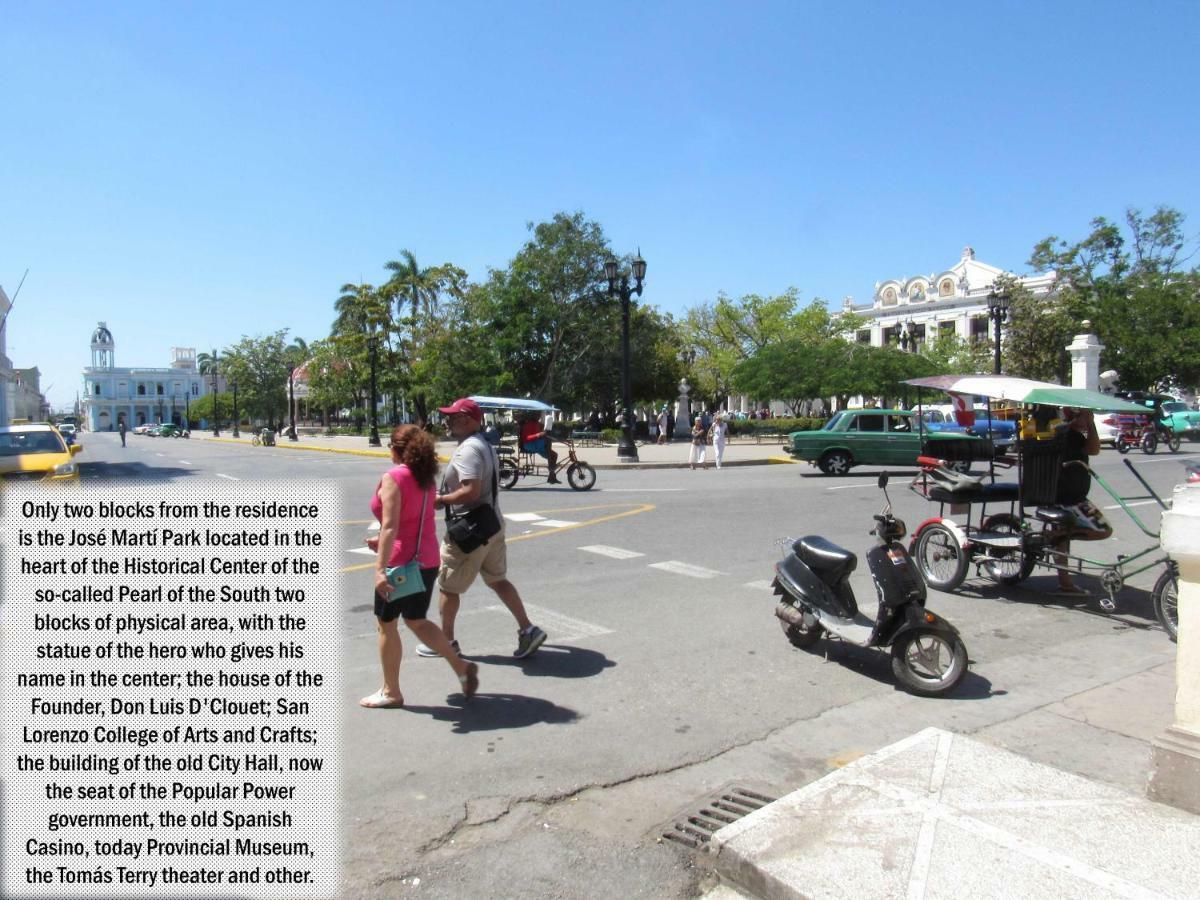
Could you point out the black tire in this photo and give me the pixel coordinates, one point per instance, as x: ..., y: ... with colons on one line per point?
x: 939, y: 558
x: 1174, y: 441
x: 929, y: 663
x: 1166, y: 602
x: 581, y: 476
x: 800, y: 635
x: 1149, y: 442
x: 1010, y: 568
x: 508, y: 473
x: 836, y: 462
x: 1122, y: 447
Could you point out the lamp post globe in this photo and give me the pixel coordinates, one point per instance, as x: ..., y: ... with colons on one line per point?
x: 618, y: 286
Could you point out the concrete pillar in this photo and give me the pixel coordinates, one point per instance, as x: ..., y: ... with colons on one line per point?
x: 1175, y: 754
x: 683, y: 411
x: 1085, y: 360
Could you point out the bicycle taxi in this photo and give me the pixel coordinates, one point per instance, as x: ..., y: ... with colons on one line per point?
x: 1007, y: 545
x: 516, y: 463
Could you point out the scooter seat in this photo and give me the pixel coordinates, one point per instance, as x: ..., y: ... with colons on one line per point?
x: 1053, y: 514
x: 825, y: 557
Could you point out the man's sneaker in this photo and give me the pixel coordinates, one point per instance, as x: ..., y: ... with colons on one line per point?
x: 429, y: 652
x: 528, y: 642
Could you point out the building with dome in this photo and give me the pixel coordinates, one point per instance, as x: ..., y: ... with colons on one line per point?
x: 925, y: 307
x: 137, y: 396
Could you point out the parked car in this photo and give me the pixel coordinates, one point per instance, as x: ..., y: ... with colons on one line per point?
x: 1181, y: 419
x: 143, y: 429
x: 875, y: 437
x: 36, y: 453
x: 169, y: 429
x: 1003, y: 432
x: 67, y: 430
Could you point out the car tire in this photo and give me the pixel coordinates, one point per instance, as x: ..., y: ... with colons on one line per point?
x: 836, y: 462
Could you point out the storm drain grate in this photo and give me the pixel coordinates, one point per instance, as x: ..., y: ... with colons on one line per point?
x: 695, y: 830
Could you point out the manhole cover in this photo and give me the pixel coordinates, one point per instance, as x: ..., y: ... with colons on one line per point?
x: 694, y: 830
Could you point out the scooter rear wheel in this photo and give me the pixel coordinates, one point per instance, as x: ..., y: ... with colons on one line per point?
x: 929, y: 663
x: 800, y: 635
x: 940, y: 559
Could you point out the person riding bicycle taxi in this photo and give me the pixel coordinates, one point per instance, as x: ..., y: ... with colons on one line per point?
x: 1081, y: 440
x: 535, y: 439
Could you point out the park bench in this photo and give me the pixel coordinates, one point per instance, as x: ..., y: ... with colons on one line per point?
x: 587, y: 438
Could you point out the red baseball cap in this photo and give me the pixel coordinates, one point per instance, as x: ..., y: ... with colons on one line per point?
x: 464, y: 405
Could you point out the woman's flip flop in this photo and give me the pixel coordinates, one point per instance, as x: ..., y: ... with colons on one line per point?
x: 380, y: 700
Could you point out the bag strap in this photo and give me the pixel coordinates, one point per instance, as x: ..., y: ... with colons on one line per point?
x: 495, y: 461
x: 421, y: 526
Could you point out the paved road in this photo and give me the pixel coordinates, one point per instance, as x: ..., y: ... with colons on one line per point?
x: 665, y: 675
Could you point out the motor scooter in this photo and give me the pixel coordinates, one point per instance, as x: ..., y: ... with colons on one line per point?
x: 813, y: 582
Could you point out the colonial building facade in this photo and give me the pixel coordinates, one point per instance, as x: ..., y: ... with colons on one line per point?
x: 922, y: 308
x: 137, y: 396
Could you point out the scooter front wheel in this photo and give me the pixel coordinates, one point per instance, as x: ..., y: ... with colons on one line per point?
x: 940, y: 559
x: 929, y: 663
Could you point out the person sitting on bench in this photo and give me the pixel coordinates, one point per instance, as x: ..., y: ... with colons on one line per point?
x: 534, y: 439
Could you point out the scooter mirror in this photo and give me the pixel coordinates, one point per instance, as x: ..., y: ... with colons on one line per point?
x: 883, y: 479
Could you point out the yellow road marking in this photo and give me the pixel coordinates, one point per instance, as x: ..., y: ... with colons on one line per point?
x: 640, y: 508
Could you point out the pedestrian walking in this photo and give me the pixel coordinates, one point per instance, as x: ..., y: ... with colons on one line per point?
x: 121, y: 430
x: 470, y: 495
x: 699, y: 444
x: 719, y: 432
x: 664, y: 421
x: 403, y: 503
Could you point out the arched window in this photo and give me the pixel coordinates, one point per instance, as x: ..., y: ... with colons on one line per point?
x: 160, y: 390
x: 889, y: 297
x: 946, y: 288
x: 141, y: 390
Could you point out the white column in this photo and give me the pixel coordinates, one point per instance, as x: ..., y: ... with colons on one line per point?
x: 1175, y: 754
x: 1085, y: 360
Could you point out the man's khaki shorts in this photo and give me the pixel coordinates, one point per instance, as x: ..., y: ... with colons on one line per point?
x: 459, y: 569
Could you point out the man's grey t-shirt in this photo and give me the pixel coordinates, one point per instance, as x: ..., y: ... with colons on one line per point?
x: 473, y: 460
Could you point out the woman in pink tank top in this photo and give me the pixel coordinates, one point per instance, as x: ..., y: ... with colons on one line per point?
x: 403, y: 504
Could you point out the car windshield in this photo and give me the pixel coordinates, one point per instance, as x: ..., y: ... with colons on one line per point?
x: 1174, y: 407
x: 832, y: 423
x: 19, y: 443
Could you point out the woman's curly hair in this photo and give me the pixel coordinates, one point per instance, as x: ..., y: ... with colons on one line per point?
x: 414, y: 448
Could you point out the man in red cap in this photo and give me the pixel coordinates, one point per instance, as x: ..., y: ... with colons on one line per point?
x: 470, y: 482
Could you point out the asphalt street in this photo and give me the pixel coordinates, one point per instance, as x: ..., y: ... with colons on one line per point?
x: 665, y: 675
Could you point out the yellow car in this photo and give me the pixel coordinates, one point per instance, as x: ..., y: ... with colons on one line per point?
x: 36, y: 453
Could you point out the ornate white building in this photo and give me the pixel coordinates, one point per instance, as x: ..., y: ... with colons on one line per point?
x: 924, y: 307
x: 138, y: 395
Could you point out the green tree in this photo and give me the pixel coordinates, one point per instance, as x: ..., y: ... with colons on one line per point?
x: 1038, y: 332
x: 1131, y: 283
x: 258, y: 366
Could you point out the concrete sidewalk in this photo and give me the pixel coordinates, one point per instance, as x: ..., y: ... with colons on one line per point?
x: 650, y: 456
x: 939, y: 815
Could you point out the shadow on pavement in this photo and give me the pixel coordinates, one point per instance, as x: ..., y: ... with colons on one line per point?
x: 100, y: 471
x: 492, y: 712
x: 876, y: 663
x: 1135, y: 607
x: 554, y: 661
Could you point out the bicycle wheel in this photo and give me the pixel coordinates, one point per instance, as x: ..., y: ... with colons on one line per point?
x: 1173, y: 441
x: 581, y: 476
x: 1166, y: 601
x: 1007, y: 566
x: 940, y: 559
x: 508, y: 473
x: 1149, y: 442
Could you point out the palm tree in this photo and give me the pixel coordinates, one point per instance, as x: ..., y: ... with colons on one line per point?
x: 411, y: 283
x: 207, y: 362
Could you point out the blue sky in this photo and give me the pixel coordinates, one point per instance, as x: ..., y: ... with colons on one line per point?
x: 193, y: 172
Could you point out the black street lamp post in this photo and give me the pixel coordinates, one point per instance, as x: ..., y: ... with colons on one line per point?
x: 372, y: 347
x: 187, y: 412
x: 292, y: 403
x: 236, y: 417
x: 215, y: 407
x: 998, y: 304
x: 626, y: 448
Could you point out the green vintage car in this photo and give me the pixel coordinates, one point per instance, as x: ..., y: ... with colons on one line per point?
x: 1181, y: 419
x: 878, y: 437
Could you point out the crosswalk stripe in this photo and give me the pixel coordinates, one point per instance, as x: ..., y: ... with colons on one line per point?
x: 614, y: 552
x: 523, y: 517
x: 365, y: 551
x: 682, y: 568
x: 554, y: 523
x: 761, y: 585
